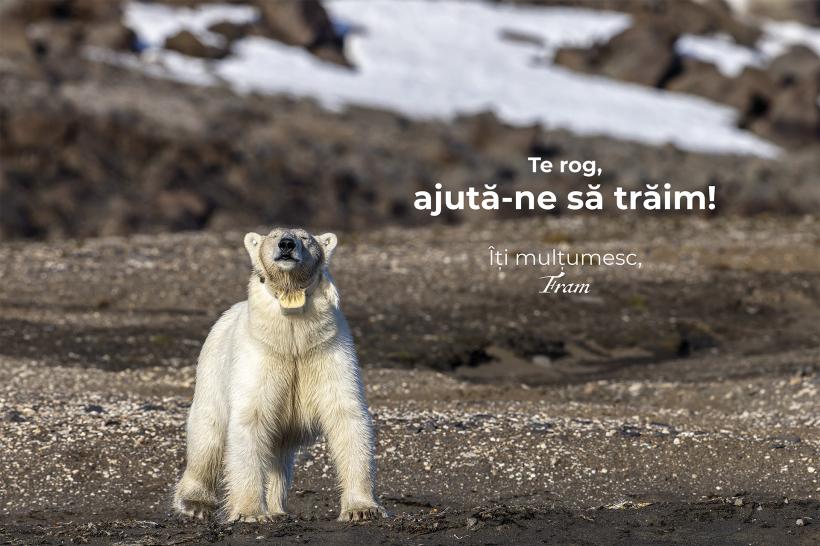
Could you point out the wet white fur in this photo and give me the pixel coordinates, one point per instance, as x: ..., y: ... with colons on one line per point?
x: 266, y: 385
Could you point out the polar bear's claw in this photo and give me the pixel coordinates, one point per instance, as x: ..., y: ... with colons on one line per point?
x: 363, y: 514
x: 252, y: 518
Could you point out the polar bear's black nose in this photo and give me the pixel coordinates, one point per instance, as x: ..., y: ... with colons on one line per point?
x: 287, y: 245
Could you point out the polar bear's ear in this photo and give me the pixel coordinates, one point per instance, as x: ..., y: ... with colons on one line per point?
x: 252, y: 243
x: 328, y: 242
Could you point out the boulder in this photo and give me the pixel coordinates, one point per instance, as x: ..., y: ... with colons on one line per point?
x: 751, y: 94
x: 55, y: 39
x: 643, y: 54
x: 296, y: 22
x: 798, y: 63
x: 58, y: 29
x: 683, y: 16
x: 90, y: 10
x: 579, y: 59
x: 229, y: 30
x: 807, y: 11
x: 15, y: 43
x: 706, y: 17
x: 29, y: 11
x: 187, y: 43
x: 794, y: 116
x: 331, y: 54
x: 62, y: 41
x: 303, y: 23
x: 701, y: 78
x: 111, y: 35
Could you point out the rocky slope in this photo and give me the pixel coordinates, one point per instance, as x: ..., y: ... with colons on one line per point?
x: 777, y: 101
x: 89, y: 149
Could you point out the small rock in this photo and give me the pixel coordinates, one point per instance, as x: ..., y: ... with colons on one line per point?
x: 541, y: 360
x: 14, y: 416
x: 541, y: 427
x: 630, y: 431
x: 94, y: 408
x: 520, y: 37
x: 786, y: 439
x: 229, y: 30
x: 188, y: 43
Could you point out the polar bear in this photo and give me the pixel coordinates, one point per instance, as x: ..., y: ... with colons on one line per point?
x: 275, y: 371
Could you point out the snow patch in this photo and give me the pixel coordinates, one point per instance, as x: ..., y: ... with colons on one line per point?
x: 720, y: 50
x: 781, y: 35
x: 732, y: 58
x: 153, y: 23
x: 438, y: 60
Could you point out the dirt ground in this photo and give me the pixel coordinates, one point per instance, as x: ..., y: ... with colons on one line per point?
x: 673, y: 403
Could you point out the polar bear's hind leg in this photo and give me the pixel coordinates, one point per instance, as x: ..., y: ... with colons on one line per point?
x: 196, y: 491
x: 207, y: 425
x: 280, y: 477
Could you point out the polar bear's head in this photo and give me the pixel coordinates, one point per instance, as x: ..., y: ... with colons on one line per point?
x: 289, y: 258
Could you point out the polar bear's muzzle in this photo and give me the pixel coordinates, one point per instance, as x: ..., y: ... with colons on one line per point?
x: 288, y: 252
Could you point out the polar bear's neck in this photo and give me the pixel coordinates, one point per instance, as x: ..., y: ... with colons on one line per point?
x: 316, y: 323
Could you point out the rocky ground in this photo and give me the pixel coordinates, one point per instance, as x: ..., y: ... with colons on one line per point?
x: 677, y: 402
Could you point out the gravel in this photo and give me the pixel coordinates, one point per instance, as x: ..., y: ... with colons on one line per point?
x: 721, y: 442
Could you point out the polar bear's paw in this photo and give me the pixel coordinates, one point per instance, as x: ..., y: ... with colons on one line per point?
x: 362, y: 513
x: 251, y: 518
x: 195, y: 508
x: 193, y: 499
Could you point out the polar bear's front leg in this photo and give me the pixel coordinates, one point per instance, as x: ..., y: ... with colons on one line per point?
x: 350, y: 439
x: 346, y: 422
x: 246, y: 457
